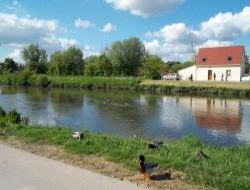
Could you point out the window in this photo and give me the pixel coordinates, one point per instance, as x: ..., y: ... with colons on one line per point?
x: 229, y: 59
x: 228, y: 73
x: 204, y: 60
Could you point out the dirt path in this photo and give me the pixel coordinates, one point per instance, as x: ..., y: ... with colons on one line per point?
x: 96, y: 165
x: 22, y: 170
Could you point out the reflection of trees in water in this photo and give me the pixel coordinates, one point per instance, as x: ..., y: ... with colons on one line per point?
x: 34, y: 96
x: 126, y: 107
x: 33, y: 93
x: 66, y: 100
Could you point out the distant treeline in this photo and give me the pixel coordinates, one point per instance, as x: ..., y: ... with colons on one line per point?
x: 121, y: 58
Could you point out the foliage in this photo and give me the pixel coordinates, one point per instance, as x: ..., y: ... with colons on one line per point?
x: 69, y: 62
x: 35, y: 58
x: 126, y: 56
x: 247, y: 65
x: 2, y: 112
x: 94, y: 82
x: 13, y: 117
x: 98, y: 66
x: 9, y: 65
x: 23, y: 78
x: 42, y: 80
x: 178, y: 66
x: 152, y: 67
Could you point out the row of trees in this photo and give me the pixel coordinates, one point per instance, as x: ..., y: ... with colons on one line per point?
x: 122, y: 58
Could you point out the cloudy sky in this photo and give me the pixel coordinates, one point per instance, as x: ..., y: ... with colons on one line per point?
x: 169, y: 28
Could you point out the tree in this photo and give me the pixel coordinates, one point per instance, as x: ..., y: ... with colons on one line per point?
x: 73, y: 60
x: 69, y: 62
x: 55, y: 66
x: 152, y: 67
x: 91, y: 66
x: 104, y: 65
x: 247, y: 66
x: 35, y: 58
x: 9, y: 65
x: 126, y: 56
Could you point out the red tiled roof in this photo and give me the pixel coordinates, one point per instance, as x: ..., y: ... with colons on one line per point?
x: 219, y: 56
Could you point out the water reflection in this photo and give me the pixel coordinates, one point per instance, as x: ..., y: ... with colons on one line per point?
x: 216, y: 121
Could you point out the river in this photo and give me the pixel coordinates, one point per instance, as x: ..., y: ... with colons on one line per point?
x: 215, y: 121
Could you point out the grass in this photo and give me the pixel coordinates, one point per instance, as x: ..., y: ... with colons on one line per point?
x: 198, y: 88
x: 94, y: 82
x: 228, y: 167
x: 222, y: 85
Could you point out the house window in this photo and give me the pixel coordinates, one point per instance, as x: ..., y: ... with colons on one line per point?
x: 229, y: 59
x: 228, y: 73
x: 204, y: 60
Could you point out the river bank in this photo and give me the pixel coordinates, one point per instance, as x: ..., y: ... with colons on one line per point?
x: 226, y: 168
x: 195, y: 88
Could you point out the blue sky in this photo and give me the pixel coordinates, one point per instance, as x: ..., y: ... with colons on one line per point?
x: 168, y: 28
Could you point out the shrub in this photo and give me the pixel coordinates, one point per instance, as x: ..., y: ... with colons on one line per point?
x: 23, y: 78
x: 42, y: 80
x: 2, y: 112
x: 14, y: 117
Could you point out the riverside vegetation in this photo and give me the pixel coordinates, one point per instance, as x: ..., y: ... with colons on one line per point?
x: 221, y: 89
x: 227, y: 167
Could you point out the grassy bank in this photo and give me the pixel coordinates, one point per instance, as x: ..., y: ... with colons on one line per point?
x: 220, y: 89
x: 227, y: 168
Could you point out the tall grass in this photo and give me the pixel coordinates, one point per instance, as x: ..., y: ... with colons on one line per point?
x: 125, y: 83
x: 227, y: 168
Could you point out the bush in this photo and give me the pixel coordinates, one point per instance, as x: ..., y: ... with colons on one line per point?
x: 14, y: 117
x: 23, y: 78
x: 42, y: 80
x: 2, y: 112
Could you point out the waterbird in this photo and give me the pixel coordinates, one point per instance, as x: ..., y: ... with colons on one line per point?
x: 155, y: 144
x: 201, y: 155
x: 77, y: 135
x: 146, y: 169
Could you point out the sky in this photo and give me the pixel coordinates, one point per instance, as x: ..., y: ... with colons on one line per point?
x: 171, y: 29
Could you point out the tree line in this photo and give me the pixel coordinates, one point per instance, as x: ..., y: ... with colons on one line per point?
x: 121, y: 58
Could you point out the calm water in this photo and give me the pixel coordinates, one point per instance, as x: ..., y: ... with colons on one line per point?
x: 216, y: 121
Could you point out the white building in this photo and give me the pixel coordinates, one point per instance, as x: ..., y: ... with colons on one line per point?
x: 219, y: 64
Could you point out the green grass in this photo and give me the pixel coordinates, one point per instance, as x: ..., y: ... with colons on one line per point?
x: 228, y: 167
x: 94, y: 82
x: 221, y: 89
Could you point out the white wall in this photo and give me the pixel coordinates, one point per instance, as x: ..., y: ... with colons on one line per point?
x: 202, y: 73
x: 186, y: 73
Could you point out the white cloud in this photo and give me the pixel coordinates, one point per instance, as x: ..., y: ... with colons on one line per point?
x: 58, y: 43
x: 18, y: 32
x: 177, y: 41
x: 83, y: 23
x: 16, y: 55
x: 144, y: 9
x: 227, y: 26
x: 109, y: 28
x: 215, y: 43
x: 88, y: 51
x: 24, y: 30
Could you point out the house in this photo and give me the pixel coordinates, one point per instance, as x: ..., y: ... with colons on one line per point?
x: 218, y: 63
